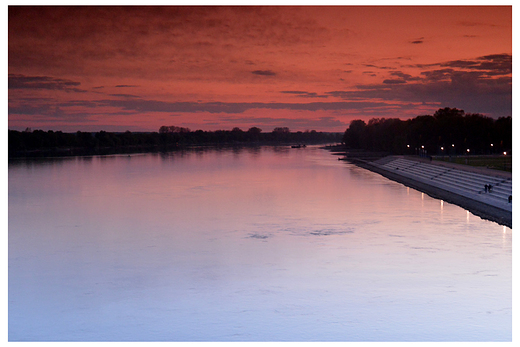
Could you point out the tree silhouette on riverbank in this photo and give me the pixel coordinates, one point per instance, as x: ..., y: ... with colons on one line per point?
x: 449, y: 131
x: 51, y: 143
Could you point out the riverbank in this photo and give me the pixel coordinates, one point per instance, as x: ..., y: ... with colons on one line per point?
x: 477, y: 203
x: 39, y: 143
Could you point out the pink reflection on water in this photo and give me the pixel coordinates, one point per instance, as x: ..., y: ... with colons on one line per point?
x: 230, y: 241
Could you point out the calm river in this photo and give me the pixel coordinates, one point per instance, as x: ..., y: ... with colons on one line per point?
x: 265, y: 244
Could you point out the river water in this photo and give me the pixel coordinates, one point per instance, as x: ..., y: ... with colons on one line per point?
x: 254, y: 244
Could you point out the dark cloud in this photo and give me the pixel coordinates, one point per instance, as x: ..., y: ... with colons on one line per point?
x: 293, y: 92
x: 78, y: 103
x: 126, y: 86
x: 483, y: 85
x: 475, y: 24
x: 297, y: 123
x: 438, y: 75
x: 67, y: 35
x: 417, y: 42
x: 394, y: 81
x: 46, y: 106
x: 30, y: 109
x: 480, y: 85
x: 493, y: 65
x: 377, y: 67
x: 49, y: 113
x: 141, y: 105
x: 47, y: 109
x: 124, y: 95
x: 404, y: 76
x: 42, y: 82
x: 465, y: 84
x: 264, y: 72
x: 303, y: 94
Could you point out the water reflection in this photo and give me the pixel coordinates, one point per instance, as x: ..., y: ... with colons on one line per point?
x: 263, y: 244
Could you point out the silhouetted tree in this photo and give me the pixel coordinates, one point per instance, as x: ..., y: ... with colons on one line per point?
x: 281, y: 133
x: 448, y: 131
x: 254, y: 134
x: 503, y: 133
x: 42, y: 143
x: 355, y: 134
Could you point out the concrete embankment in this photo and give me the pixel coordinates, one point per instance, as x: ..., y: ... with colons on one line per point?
x: 456, y: 184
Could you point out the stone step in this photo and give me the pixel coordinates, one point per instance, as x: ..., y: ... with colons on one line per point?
x: 468, y: 181
x: 463, y: 183
x: 425, y: 170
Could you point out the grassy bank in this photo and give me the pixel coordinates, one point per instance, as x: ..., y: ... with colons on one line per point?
x: 497, y: 162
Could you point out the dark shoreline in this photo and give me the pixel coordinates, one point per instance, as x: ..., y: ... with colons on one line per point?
x: 38, y: 143
x: 139, y: 149
x: 484, y: 211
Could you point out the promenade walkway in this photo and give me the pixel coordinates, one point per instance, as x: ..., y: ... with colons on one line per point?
x: 468, y: 183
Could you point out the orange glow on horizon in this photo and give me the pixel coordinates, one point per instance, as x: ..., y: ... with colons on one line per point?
x: 137, y: 68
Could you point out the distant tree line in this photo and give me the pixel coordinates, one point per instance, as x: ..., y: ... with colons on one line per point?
x: 45, y: 143
x: 448, y: 132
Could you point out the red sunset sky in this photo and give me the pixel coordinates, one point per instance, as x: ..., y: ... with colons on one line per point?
x: 209, y: 68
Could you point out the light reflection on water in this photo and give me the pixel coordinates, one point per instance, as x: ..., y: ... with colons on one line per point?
x: 263, y: 244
